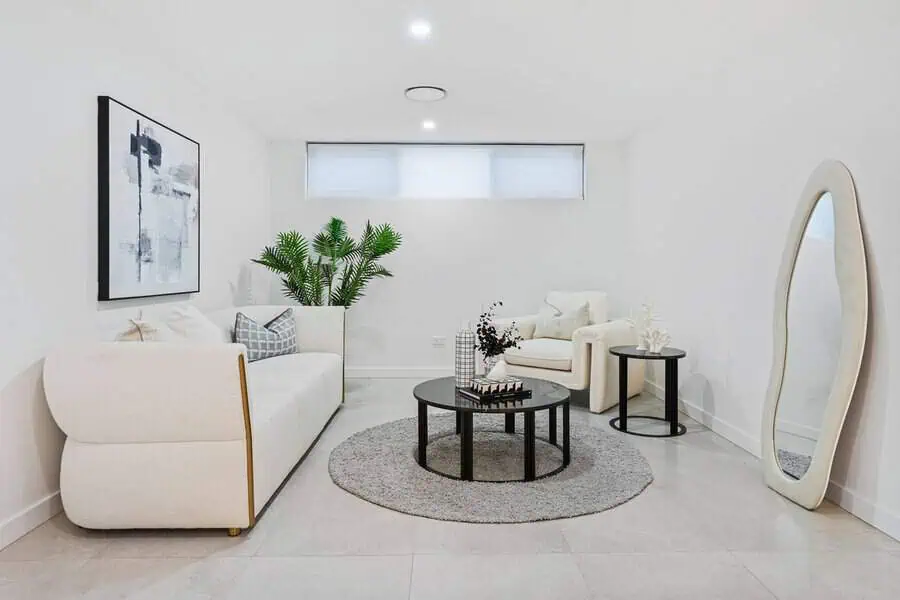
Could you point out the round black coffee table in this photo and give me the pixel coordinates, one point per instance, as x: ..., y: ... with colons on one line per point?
x: 671, y: 356
x: 545, y: 395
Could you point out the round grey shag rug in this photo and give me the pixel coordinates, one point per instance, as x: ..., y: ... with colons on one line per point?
x: 379, y: 465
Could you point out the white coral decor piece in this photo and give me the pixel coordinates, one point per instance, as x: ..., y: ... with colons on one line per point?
x: 655, y: 339
x: 642, y: 323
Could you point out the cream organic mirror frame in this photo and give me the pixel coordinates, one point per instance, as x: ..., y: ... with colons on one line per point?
x: 850, y: 267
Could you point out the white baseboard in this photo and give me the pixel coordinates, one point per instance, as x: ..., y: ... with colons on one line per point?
x: 397, y: 372
x: 849, y: 500
x: 24, y: 521
x: 863, y: 508
x: 804, y: 431
x: 736, y: 436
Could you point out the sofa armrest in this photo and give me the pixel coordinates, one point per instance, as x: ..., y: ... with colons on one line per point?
x: 525, y: 324
x: 127, y: 392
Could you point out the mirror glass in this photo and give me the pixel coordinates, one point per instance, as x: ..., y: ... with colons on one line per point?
x: 813, y: 343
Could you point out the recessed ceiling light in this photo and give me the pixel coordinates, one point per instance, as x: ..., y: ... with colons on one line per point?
x: 421, y: 30
x: 425, y: 93
x: 428, y: 124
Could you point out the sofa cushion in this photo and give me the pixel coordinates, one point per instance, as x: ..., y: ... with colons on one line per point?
x: 287, y: 380
x: 180, y: 324
x: 561, y: 325
x: 292, y: 397
x: 569, y: 301
x: 542, y: 353
x: 275, y: 338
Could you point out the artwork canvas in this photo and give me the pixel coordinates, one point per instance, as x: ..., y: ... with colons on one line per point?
x: 149, y: 226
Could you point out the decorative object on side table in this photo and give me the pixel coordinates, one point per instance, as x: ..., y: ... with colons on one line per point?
x: 670, y: 356
x: 492, y: 343
x: 655, y: 339
x: 650, y: 338
x: 338, y: 276
x: 149, y: 206
x: 465, y: 357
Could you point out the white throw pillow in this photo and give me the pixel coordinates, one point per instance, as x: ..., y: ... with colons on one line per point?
x: 182, y: 324
x: 139, y: 330
x: 561, y: 326
x: 191, y: 325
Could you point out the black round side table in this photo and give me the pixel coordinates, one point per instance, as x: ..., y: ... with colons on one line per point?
x: 671, y: 356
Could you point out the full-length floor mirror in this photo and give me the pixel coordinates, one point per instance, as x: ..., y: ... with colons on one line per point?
x: 821, y: 314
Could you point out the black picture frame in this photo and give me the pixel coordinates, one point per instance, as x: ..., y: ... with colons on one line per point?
x: 104, y: 289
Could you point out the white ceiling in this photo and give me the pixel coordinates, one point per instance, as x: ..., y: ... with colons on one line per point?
x: 514, y: 69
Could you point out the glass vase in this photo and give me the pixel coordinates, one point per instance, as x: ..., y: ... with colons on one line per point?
x: 489, y: 362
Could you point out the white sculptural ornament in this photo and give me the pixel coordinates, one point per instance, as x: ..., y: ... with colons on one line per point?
x: 642, y: 323
x: 655, y: 339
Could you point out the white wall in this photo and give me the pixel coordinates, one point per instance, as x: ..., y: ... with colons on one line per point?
x: 458, y: 256
x: 715, y: 188
x: 54, y: 61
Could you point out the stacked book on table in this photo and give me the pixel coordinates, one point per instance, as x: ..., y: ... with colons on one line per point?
x: 484, y: 390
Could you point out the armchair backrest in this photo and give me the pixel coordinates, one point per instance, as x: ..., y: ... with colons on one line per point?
x: 568, y: 301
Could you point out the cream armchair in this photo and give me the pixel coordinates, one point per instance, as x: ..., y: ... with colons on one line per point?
x: 583, y: 362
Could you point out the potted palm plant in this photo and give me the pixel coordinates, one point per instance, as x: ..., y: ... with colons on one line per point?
x: 335, y: 269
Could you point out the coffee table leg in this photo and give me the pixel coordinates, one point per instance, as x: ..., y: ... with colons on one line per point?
x: 552, y: 424
x: 458, y: 422
x: 423, y: 432
x: 510, y: 423
x: 466, y: 450
x: 529, y: 446
x: 566, y: 453
x: 623, y: 393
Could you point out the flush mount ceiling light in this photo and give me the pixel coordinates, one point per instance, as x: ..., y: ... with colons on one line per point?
x: 420, y: 29
x: 428, y: 124
x: 425, y: 93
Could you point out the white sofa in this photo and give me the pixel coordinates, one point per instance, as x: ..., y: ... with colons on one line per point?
x: 179, y: 435
x: 585, y: 360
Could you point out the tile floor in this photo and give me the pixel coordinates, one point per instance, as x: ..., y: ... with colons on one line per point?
x: 706, y: 528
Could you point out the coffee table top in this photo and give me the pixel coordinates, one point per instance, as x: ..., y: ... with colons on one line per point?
x: 442, y: 393
x: 632, y: 352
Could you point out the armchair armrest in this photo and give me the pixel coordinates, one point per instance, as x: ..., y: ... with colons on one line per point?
x: 126, y: 392
x: 525, y: 324
x: 604, y: 374
x: 611, y: 333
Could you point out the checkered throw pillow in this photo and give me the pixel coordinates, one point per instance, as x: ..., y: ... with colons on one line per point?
x: 277, y: 337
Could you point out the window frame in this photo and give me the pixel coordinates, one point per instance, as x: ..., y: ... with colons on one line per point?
x: 581, y: 145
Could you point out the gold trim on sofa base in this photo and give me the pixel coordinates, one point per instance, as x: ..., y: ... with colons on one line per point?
x: 248, y: 437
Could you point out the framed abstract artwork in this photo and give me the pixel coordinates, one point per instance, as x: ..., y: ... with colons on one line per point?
x: 149, y: 206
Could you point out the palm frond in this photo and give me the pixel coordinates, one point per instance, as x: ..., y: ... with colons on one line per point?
x: 340, y: 268
x: 384, y: 240
x: 381, y: 272
x: 293, y: 245
x: 274, y: 260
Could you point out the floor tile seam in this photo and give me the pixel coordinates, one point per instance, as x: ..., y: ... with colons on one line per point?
x: 412, y: 567
x: 753, y: 575
x: 328, y: 555
x: 493, y: 553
